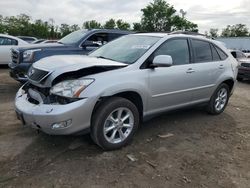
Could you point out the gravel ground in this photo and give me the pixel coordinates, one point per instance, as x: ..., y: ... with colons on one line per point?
x: 198, y: 150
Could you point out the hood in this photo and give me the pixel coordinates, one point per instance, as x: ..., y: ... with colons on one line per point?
x: 57, y: 68
x: 39, y: 46
x: 66, y: 63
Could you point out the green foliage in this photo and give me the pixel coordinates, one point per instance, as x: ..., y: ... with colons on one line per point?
x: 93, y: 24
x: 22, y: 25
x: 238, y: 30
x: 122, y: 25
x: 110, y: 24
x: 137, y: 27
x: 159, y: 16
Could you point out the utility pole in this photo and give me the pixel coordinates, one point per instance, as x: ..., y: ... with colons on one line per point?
x: 183, y: 13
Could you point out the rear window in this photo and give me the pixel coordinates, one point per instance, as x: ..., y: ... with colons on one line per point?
x: 215, y: 54
x: 222, y: 54
x: 202, y: 51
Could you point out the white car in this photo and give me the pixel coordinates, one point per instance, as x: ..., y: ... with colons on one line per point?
x: 6, y: 43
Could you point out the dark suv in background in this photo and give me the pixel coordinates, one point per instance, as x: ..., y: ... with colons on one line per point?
x: 79, y: 42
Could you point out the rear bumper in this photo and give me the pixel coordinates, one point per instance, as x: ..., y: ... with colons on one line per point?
x: 43, y: 116
x: 243, y: 72
x: 19, y: 71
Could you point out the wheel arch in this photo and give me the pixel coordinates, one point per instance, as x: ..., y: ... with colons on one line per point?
x: 132, y: 96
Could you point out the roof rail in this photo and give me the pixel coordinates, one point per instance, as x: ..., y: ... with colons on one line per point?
x: 187, y: 33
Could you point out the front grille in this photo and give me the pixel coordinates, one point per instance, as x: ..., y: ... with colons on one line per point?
x: 37, y: 75
x: 15, y: 56
x: 245, y: 64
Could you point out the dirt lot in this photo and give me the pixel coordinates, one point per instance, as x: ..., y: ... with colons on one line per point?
x: 203, y: 150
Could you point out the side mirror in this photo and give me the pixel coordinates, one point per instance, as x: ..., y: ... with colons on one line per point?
x: 162, y: 61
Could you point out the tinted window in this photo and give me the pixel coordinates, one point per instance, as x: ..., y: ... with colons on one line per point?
x: 73, y: 37
x: 7, y: 41
x: 202, y: 51
x: 178, y: 49
x: 99, y: 39
x: 233, y: 54
x: 222, y: 54
x: 215, y: 54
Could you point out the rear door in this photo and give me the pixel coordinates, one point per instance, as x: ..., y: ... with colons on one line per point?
x: 207, y: 68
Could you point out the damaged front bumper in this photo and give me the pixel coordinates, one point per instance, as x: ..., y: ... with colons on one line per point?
x: 55, y: 119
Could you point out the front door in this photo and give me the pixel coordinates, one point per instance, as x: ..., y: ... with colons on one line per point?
x: 170, y: 86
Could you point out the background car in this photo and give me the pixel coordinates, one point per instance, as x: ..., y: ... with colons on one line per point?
x: 244, y: 64
x: 49, y: 41
x: 38, y: 41
x: 6, y: 43
x: 27, y: 38
x: 80, y: 42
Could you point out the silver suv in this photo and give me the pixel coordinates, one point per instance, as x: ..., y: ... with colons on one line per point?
x: 109, y: 92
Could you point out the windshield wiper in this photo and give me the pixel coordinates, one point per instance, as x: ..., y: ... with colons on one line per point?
x: 102, y: 57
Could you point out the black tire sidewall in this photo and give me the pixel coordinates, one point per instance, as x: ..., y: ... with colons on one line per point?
x: 101, y: 115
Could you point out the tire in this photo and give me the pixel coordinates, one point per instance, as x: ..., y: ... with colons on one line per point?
x: 239, y: 79
x: 218, y: 103
x: 108, y: 130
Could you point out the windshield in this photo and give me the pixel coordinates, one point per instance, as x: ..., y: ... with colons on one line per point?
x: 73, y: 37
x: 126, y: 49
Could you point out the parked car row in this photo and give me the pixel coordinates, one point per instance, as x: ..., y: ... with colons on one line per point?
x: 6, y: 43
x: 110, y: 91
x: 79, y: 42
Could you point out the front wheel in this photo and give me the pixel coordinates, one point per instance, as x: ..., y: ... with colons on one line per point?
x: 219, y: 100
x: 114, y: 123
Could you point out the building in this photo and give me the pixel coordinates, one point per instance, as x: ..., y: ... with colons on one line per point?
x: 237, y: 43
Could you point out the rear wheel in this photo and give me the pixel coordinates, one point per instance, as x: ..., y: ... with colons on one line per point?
x: 219, y: 100
x: 114, y: 123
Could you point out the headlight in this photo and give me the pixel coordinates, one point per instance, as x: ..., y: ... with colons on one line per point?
x: 71, y: 88
x: 29, y: 54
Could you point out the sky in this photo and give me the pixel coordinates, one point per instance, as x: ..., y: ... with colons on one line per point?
x: 207, y: 14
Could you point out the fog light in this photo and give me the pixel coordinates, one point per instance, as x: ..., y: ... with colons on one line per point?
x: 62, y: 125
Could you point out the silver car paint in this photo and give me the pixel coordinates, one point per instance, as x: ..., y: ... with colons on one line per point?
x: 182, y: 86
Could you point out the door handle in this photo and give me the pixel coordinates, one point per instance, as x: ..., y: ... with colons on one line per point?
x: 190, y: 70
x: 221, y: 67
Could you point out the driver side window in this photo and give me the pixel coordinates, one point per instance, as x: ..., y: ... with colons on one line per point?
x: 97, y: 40
x: 178, y: 49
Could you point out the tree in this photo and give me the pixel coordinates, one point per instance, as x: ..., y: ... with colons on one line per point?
x: 238, y: 30
x: 2, y: 28
x: 110, y: 24
x: 122, y: 25
x: 160, y: 16
x: 137, y: 26
x: 93, y: 24
x: 64, y: 29
x: 213, y: 32
x: 181, y: 23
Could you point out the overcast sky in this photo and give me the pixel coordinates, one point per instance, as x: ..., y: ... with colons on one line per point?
x: 207, y: 14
